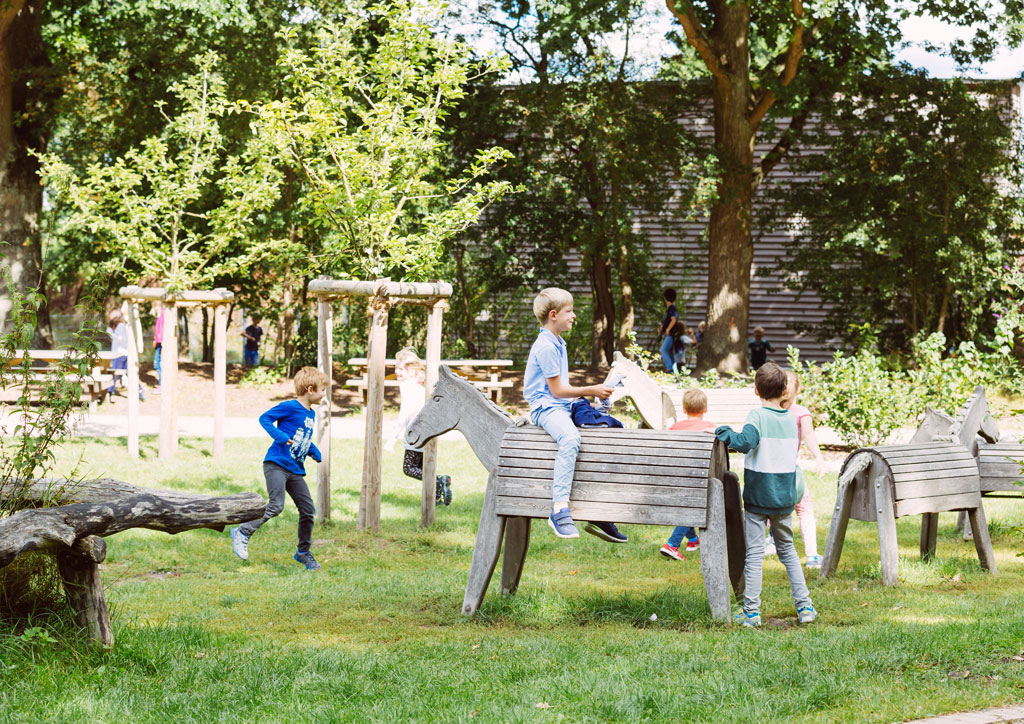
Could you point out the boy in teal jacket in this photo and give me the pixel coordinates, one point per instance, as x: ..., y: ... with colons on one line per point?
x: 770, y: 440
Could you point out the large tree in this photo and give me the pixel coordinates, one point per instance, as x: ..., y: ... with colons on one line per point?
x: 770, y: 64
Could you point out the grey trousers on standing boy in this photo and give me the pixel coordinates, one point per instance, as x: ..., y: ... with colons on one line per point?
x: 782, y: 532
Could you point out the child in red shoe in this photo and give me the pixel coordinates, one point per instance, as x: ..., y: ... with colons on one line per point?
x: 695, y: 404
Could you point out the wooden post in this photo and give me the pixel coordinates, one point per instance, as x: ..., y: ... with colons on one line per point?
x: 369, y: 498
x: 79, y: 569
x: 324, y: 356
x: 887, y: 544
x: 427, y: 502
x: 220, y: 333
x: 134, y: 340
x: 169, y: 361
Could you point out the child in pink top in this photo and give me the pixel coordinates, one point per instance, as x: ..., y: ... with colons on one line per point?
x: 805, y: 431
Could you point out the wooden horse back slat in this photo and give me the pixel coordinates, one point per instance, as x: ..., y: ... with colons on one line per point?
x: 623, y: 476
x: 1000, y: 466
x: 930, y: 477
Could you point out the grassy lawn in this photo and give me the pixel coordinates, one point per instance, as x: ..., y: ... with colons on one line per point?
x: 377, y: 635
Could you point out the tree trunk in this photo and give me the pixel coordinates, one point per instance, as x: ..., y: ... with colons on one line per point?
x: 22, y: 56
x: 626, y: 291
x: 207, y: 347
x: 730, y: 248
x: 603, y: 341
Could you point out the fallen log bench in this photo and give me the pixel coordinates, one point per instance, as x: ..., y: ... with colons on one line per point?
x: 650, y: 477
x: 83, y: 514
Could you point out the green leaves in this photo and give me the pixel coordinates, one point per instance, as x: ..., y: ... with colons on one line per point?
x: 364, y: 125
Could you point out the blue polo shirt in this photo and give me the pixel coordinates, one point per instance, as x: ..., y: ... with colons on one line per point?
x: 548, y: 358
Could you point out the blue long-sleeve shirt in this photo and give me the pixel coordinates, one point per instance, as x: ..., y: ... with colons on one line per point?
x: 293, y: 423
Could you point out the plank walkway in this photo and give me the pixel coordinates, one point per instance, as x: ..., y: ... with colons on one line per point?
x: 1002, y: 715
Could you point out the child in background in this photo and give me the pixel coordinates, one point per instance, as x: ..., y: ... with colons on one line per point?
x: 759, y: 348
x: 411, y: 375
x: 806, y: 436
x: 158, y: 344
x: 695, y: 404
x: 770, y: 440
x: 669, y: 330
x: 291, y: 425
x: 118, y: 331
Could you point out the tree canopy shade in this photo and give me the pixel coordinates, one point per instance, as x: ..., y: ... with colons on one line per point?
x: 775, y: 61
x: 909, y: 232
x: 364, y: 127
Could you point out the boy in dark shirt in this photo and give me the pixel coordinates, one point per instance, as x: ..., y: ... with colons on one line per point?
x: 284, y: 465
x: 759, y: 349
x: 669, y: 329
x: 251, y: 349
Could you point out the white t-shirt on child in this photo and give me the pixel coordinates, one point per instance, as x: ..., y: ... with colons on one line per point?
x: 413, y: 396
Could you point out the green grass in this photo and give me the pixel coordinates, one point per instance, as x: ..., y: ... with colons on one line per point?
x: 377, y: 636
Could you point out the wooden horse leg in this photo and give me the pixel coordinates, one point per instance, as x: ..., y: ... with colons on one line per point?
x: 714, y: 553
x: 80, y: 571
x: 837, y: 529
x: 963, y: 523
x: 982, y: 541
x: 929, y: 533
x: 485, y: 553
x: 517, y: 542
x: 887, y: 544
x: 735, y: 541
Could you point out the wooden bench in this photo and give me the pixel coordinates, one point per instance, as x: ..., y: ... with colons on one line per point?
x: 94, y: 384
x: 1001, y: 468
x: 881, y: 484
x: 659, y: 407
x: 484, y: 374
x: 644, y: 477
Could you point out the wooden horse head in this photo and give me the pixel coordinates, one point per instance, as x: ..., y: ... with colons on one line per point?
x: 974, y: 420
x: 653, y: 403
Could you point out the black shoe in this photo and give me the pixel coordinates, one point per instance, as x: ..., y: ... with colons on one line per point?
x: 443, y: 491
x: 606, y: 531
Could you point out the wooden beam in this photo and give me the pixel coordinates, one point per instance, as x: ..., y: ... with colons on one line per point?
x: 324, y: 356
x: 220, y: 344
x: 427, y: 503
x: 370, y: 494
x: 334, y: 288
x: 134, y: 343
x: 207, y: 296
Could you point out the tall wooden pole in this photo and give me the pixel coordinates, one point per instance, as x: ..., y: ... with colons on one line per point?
x: 134, y: 343
x: 325, y: 335
x: 169, y: 363
x: 427, y: 503
x: 220, y: 342
x: 369, y: 497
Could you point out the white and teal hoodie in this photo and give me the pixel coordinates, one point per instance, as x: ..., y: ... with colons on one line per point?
x: 770, y: 440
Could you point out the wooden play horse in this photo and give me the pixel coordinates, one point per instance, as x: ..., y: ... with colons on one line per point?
x: 652, y: 477
x: 932, y: 474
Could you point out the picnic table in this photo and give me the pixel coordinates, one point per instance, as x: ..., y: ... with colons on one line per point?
x: 484, y: 374
x: 93, y: 384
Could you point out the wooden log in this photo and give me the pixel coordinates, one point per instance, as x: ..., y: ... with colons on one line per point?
x: 887, y: 543
x: 714, y: 553
x: 220, y: 347
x: 370, y: 494
x: 55, y: 491
x: 427, y: 500
x: 84, y: 588
x: 214, y: 296
x: 134, y: 343
x: 168, y: 388
x: 517, y: 543
x: 485, y: 552
x: 324, y: 358
x: 332, y: 288
x: 58, y: 528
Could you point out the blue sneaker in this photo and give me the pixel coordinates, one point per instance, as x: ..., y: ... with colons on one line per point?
x: 806, y: 614
x: 751, y: 620
x: 306, y: 558
x: 606, y: 531
x: 240, y: 544
x: 561, y: 523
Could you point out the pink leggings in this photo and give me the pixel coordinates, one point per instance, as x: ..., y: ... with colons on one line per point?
x: 805, y: 515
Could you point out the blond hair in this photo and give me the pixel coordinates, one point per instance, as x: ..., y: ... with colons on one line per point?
x: 758, y: 331
x: 550, y: 299
x: 695, y: 402
x: 407, y: 355
x: 309, y: 377
x: 792, y: 387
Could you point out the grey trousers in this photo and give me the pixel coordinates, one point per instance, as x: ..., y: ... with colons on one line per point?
x: 782, y: 532
x: 280, y: 481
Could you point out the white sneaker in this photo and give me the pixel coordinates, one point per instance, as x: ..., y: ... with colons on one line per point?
x: 240, y: 544
x: 813, y: 562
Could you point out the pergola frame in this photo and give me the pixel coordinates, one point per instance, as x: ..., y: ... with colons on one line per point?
x: 219, y: 299
x: 383, y: 294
